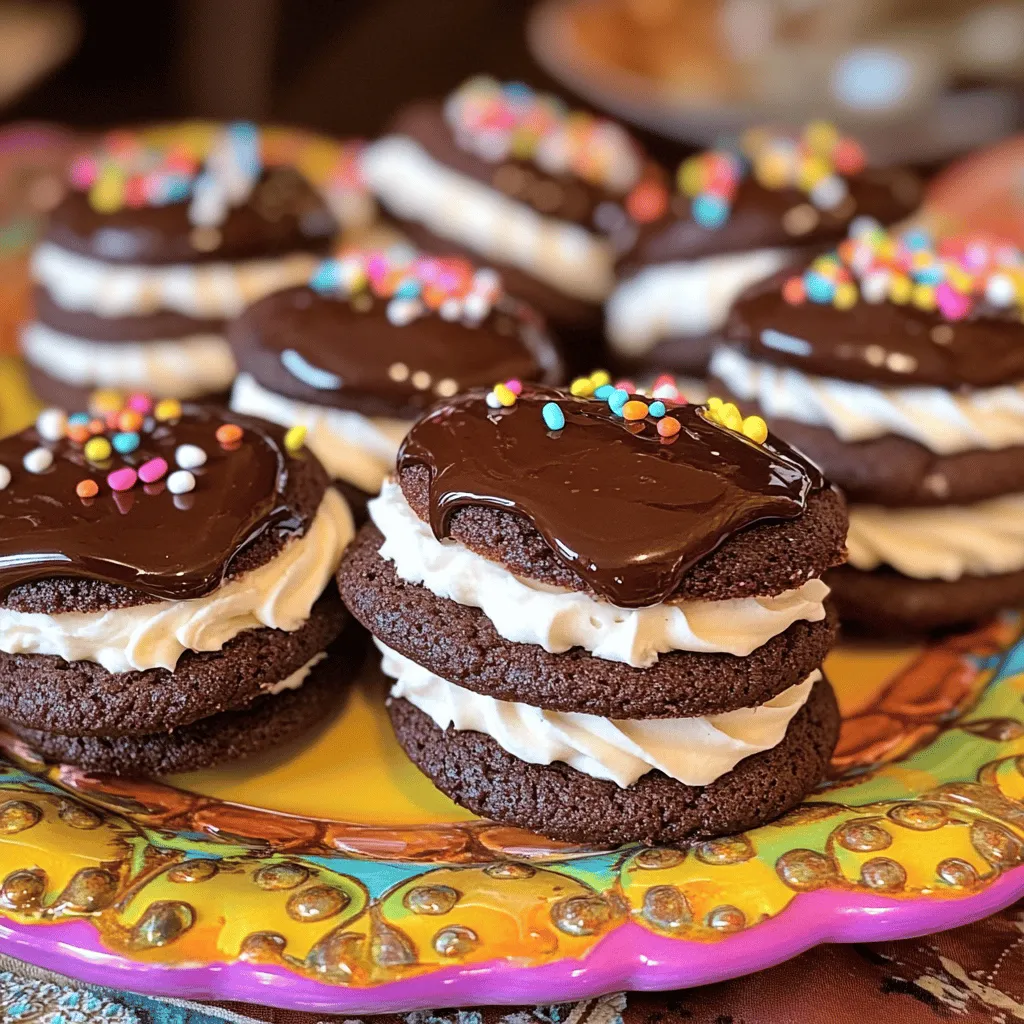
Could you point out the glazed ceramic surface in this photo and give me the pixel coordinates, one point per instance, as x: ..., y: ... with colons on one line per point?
x: 334, y: 877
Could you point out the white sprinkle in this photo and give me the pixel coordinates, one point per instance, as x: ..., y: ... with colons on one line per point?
x: 875, y: 287
x: 451, y: 309
x: 5, y: 477
x: 190, y: 456
x: 181, y: 482
x: 52, y: 424
x: 999, y: 291
x: 402, y: 312
x: 829, y: 192
x: 475, y: 307
x: 39, y: 460
x: 486, y: 279
x: 492, y: 400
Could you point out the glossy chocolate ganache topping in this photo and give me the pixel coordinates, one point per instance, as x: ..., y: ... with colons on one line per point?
x: 628, y: 492
x: 73, y: 505
x: 391, y: 332
x: 894, y: 308
x: 189, y: 194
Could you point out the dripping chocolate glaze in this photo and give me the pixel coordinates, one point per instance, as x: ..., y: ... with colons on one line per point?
x: 284, y: 214
x: 625, y: 510
x: 165, y: 546
x: 878, y: 343
x: 339, y: 352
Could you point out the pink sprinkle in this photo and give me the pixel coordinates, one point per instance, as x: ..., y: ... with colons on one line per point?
x: 515, y: 386
x: 140, y: 403
x: 626, y: 385
x: 123, y: 479
x: 150, y: 472
x: 952, y: 304
x: 83, y: 172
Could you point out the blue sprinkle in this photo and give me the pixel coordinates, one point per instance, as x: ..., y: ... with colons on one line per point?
x: 125, y: 443
x: 657, y: 410
x: 617, y: 399
x: 553, y: 416
x: 916, y: 239
x: 602, y: 392
x: 326, y: 277
x: 408, y: 289
x: 819, y: 289
x: 710, y: 211
x: 79, y: 419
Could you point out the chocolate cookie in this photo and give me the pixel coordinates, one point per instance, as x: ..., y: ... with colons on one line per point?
x: 563, y: 803
x: 45, y: 692
x: 886, y: 602
x: 250, y: 497
x: 266, y: 722
x: 460, y: 644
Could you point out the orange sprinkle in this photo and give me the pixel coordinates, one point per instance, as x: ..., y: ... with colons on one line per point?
x: 229, y: 433
x: 79, y: 433
x: 634, y: 410
x: 87, y: 488
x: 130, y: 421
x: 793, y: 291
x: 97, y: 427
x: 668, y: 426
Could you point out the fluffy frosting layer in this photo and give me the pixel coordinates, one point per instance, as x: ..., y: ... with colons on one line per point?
x: 683, y: 298
x: 945, y: 422
x: 278, y: 595
x: 202, y: 290
x: 525, y: 611
x: 296, y: 679
x: 358, y: 449
x: 944, y: 543
x: 693, y: 751
x: 180, y: 368
x: 415, y: 186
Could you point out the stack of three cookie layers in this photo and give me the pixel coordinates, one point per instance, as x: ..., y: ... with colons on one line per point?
x: 605, y: 622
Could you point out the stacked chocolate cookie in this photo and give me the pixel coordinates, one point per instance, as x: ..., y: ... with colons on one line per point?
x: 164, y: 235
x: 166, y: 594
x: 372, y: 341
x: 734, y: 216
x: 897, y: 364
x: 604, y: 613
x: 516, y: 179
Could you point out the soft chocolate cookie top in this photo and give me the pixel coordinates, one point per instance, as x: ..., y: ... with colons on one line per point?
x: 772, y: 190
x: 388, y: 333
x: 529, y: 146
x: 140, y: 502
x: 189, y: 195
x: 893, y: 308
x: 627, y: 493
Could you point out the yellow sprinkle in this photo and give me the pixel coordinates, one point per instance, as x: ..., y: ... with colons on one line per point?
x: 295, y: 438
x: 714, y: 403
x: 729, y: 416
x: 821, y: 136
x: 504, y: 395
x: 97, y: 449
x: 923, y: 297
x: 959, y: 279
x: 756, y: 429
x: 773, y: 169
x: 813, y: 170
x: 900, y: 289
x: 689, y: 177
x: 582, y: 387
x: 845, y: 296
x: 167, y: 409
x: 599, y: 378
x: 107, y: 193
x: 104, y: 401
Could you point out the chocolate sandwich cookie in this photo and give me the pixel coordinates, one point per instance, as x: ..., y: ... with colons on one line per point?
x: 600, y: 593
x: 371, y: 342
x: 897, y: 364
x: 160, y: 563
x: 164, y: 235
x: 515, y: 179
x: 732, y: 217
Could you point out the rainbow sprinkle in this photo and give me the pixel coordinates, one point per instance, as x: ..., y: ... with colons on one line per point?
x: 816, y: 162
x: 950, y: 275
x: 499, y: 121
x: 414, y: 285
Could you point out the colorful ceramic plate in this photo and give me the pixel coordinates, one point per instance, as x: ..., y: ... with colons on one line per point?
x: 334, y: 877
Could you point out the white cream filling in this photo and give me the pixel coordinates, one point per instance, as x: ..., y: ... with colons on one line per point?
x: 945, y: 422
x: 528, y: 612
x: 416, y: 187
x: 358, y: 449
x: 188, y: 367
x: 204, y: 290
x: 278, y: 595
x: 297, y: 678
x: 945, y: 543
x: 689, y: 298
x: 693, y: 751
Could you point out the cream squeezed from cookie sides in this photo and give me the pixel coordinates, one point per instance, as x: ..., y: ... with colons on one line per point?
x: 356, y: 448
x: 526, y: 611
x: 693, y: 751
x: 277, y: 595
